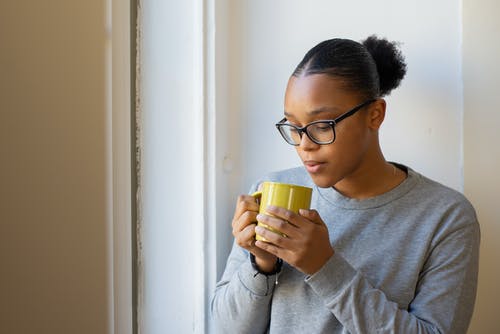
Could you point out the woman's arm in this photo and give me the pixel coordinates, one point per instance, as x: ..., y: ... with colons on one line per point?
x: 444, y: 296
x: 242, y: 298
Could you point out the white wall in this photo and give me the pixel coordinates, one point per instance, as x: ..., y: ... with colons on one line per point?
x: 481, y: 150
x: 171, y: 194
x: 267, y: 39
x: 423, y: 127
x: 425, y: 124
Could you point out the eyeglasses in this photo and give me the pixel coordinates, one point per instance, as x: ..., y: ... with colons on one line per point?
x: 320, y: 132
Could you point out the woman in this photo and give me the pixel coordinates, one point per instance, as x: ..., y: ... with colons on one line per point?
x: 385, y: 249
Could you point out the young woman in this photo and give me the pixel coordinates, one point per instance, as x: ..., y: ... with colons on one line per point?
x: 384, y: 249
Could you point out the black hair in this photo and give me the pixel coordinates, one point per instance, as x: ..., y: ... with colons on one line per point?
x: 372, y: 68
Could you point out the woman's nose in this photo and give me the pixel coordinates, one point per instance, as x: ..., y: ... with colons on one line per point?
x: 306, y: 143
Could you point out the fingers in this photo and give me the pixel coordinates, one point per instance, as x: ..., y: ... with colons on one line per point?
x: 246, y: 237
x: 271, y: 248
x: 247, y: 218
x: 290, y: 216
x: 245, y: 203
x: 288, y: 222
x: 311, y: 215
x: 244, y: 221
x: 277, y: 224
x: 306, y: 245
x: 280, y: 240
x: 245, y: 213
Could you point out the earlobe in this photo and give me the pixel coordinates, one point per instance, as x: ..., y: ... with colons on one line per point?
x: 377, y: 114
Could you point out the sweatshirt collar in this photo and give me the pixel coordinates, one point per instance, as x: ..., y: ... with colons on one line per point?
x: 337, y: 199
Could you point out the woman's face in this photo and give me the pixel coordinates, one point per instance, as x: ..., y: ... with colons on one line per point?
x: 322, y: 97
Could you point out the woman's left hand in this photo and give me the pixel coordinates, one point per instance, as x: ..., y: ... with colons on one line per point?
x: 306, y: 245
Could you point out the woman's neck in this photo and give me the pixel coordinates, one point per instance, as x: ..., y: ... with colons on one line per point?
x: 371, y: 179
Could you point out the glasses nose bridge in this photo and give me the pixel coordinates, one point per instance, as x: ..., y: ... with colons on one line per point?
x: 302, y: 131
x: 309, y: 139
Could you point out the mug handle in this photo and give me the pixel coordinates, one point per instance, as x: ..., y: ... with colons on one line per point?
x: 257, y: 195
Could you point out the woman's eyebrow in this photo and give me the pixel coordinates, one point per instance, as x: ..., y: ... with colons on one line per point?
x: 322, y: 110
x: 317, y: 111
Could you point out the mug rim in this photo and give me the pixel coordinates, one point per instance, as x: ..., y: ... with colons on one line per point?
x: 286, y: 184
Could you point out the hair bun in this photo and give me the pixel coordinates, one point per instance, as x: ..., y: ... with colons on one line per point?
x: 390, y: 62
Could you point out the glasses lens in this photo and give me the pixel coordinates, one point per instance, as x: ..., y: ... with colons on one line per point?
x: 290, y: 134
x: 321, y: 132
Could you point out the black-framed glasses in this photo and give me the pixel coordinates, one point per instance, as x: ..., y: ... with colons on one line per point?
x: 320, y: 132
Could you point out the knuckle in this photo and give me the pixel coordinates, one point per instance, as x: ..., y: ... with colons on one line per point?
x: 247, y: 205
x: 264, y: 245
x: 239, y: 241
x: 242, y: 202
x: 281, y: 224
x: 236, y: 230
x: 278, y: 240
x: 263, y: 232
x: 243, y: 241
x: 288, y: 214
x: 241, y: 198
x: 249, y: 216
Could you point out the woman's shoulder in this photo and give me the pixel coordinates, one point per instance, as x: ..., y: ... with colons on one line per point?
x: 429, y: 190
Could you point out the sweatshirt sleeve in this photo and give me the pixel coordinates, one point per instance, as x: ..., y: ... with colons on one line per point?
x: 444, y: 296
x: 242, y: 298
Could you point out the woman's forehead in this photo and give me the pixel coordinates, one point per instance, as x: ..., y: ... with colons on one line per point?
x: 317, y: 93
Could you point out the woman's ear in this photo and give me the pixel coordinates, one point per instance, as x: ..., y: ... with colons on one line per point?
x: 376, y: 114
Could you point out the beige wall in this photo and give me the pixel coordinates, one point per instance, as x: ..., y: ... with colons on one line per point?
x: 481, y: 29
x: 53, y: 181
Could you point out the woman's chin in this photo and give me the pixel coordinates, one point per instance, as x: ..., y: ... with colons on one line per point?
x: 322, y: 181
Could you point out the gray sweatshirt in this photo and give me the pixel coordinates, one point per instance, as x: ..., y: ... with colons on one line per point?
x: 405, y: 262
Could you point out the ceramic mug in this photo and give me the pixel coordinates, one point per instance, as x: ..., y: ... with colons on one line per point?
x: 289, y: 196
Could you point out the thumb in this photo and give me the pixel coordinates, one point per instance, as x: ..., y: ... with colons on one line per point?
x: 311, y: 215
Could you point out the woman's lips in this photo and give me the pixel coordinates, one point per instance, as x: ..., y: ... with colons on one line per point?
x: 313, y: 166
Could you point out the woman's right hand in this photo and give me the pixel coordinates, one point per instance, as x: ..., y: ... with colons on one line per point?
x: 244, y: 222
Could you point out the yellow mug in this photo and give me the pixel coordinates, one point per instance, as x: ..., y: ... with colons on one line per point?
x: 288, y: 196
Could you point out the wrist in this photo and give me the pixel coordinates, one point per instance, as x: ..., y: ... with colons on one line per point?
x: 265, y: 269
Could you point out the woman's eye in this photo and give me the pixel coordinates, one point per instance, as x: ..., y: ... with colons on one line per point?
x: 323, y: 127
